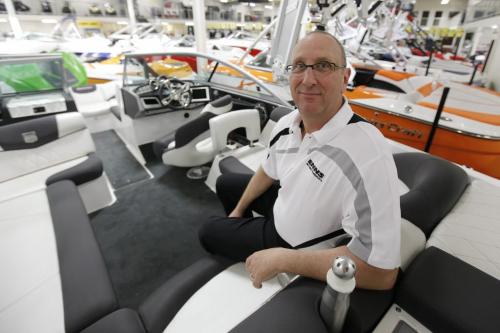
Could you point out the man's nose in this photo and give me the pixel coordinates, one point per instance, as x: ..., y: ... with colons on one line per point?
x: 309, y: 78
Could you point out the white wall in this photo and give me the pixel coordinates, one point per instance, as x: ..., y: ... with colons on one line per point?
x: 435, y: 5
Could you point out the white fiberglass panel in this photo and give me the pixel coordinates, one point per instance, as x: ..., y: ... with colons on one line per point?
x: 29, y: 284
x: 231, y: 292
x: 471, y: 231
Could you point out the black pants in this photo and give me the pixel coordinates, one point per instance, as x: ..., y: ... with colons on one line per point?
x: 237, y: 238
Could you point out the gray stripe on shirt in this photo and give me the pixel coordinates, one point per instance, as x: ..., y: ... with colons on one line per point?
x: 287, y: 151
x: 362, y: 245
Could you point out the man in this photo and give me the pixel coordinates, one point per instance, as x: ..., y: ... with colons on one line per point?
x: 335, y: 173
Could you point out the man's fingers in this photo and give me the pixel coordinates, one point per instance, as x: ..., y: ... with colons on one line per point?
x: 257, y: 284
x: 248, y: 262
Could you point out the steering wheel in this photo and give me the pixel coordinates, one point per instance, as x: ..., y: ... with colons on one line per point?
x: 173, y: 92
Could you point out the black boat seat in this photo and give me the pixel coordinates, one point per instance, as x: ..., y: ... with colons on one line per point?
x: 434, y: 187
x: 231, y: 164
x: 190, y: 144
x: 446, y: 294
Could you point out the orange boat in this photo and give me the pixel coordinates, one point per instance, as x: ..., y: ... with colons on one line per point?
x: 458, y: 139
x: 403, y: 106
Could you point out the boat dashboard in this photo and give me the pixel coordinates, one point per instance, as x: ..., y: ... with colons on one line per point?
x: 162, y: 94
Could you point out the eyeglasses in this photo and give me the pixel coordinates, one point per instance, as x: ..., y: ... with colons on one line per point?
x: 321, y: 67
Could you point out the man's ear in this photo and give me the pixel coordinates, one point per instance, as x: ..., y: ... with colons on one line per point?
x: 347, y: 74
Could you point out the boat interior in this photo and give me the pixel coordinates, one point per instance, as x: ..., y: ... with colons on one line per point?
x: 111, y: 216
x: 103, y: 189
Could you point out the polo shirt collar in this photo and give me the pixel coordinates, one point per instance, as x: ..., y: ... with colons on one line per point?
x: 332, y: 127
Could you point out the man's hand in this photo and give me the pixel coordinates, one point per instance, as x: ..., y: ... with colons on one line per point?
x: 258, y: 184
x: 236, y: 213
x: 264, y: 265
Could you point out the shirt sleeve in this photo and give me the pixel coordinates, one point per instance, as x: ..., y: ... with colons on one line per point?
x: 373, y: 214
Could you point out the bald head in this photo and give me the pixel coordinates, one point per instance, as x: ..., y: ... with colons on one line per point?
x: 336, y: 46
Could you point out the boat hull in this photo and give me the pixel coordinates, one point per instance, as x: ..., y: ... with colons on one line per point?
x: 479, y: 153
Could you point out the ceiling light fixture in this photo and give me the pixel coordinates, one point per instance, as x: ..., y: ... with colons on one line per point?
x: 444, y: 2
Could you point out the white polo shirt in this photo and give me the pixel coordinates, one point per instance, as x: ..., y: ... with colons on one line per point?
x: 342, y: 176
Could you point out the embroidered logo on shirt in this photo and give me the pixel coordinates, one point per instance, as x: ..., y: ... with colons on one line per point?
x: 318, y: 174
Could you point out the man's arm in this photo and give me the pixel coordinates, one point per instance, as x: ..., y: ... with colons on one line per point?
x: 257, y: 185
x: 264, y: 265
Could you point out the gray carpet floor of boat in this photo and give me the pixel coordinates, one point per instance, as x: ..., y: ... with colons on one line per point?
x: 121, y: 167
x: 151, y: 232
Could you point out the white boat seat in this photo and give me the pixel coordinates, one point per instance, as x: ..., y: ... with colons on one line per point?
x: 97, y: 103
x: 244, y: 158
x: 189, y: 145
x: 221, y: 126
x: 40, y: 151
x: 94, y: 100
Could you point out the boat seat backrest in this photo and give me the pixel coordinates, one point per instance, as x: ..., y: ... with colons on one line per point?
x: 412, y: 243
x: 96, y: 100
x: 221, y: 126
x: 219, y: 106
x: 194, y: 129
x: 278, y: 113
x: 187, y: 132
x: 88, y: 95
x: 87, y: 290
x: 434, y: 186
x: 274, y: 117
x: 39, y: 143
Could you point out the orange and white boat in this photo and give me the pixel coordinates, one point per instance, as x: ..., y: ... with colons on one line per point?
x: 403, y: 106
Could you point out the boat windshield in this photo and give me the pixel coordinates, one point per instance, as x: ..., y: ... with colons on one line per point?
x: 31, y: 74
x: 139, y: 69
